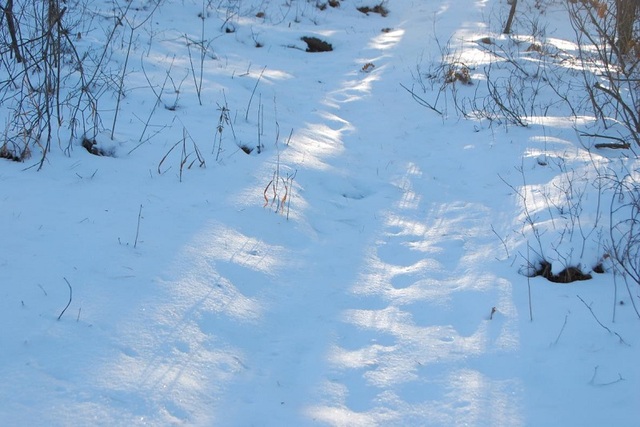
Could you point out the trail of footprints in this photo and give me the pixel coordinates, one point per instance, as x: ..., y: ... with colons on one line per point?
x: 409, y: 293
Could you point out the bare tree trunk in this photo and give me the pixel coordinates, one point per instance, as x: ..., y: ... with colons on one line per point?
x: 8, y: 13
x: 512, y: 12
x: 626, y: 11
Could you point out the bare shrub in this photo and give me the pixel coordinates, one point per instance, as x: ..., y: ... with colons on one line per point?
x: 610, y: 63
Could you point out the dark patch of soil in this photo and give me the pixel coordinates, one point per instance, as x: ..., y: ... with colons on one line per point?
x: 91, y: 145
x: 379, y: 9
x: 246, y: 149
x: 314, y: 44
x: 5, y: 153
x: 568, y: 275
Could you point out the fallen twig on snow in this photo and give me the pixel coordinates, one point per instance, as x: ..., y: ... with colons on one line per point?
x: 622, y: 341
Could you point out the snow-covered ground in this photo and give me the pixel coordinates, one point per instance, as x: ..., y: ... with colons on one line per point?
x: 344, y: 273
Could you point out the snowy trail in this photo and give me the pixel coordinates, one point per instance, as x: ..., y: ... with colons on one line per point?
x: 370, y: 344
x: 407, y: 355
x: 276, y: 322
x: 368, y: 303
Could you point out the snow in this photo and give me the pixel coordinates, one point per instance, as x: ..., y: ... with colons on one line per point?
x: 364, y: 297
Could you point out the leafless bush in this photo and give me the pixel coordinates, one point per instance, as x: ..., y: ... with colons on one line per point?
x: 279, y: 191
x: 223, y: 120
x: 50, y: 86
x: 42, y: 59
x: 624, y: 229
x: 562, y: 221
x: 608, y: 52
x: 190, y: 155
x: 442, y: 78
x: 34, y: 66
x: 507, y: 90
x: 609, y: 58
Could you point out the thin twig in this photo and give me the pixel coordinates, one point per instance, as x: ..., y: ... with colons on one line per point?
x: 633, y: 302
x: 135, y: 243
x: 166, y: 155
x: 593, y: 379
x: 501, y: 240
x: 121, y: 83
x: 290, y: 135
x: 420, y: 100
x: 70, y: 297
x: 566, y: 316
x: 246, y: 116
x: 529, y: 286
x: 622, y: 341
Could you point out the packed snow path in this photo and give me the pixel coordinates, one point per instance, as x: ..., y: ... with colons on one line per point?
x: 368, y: 301
x: 371, y: 309
x: 367, y: 306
